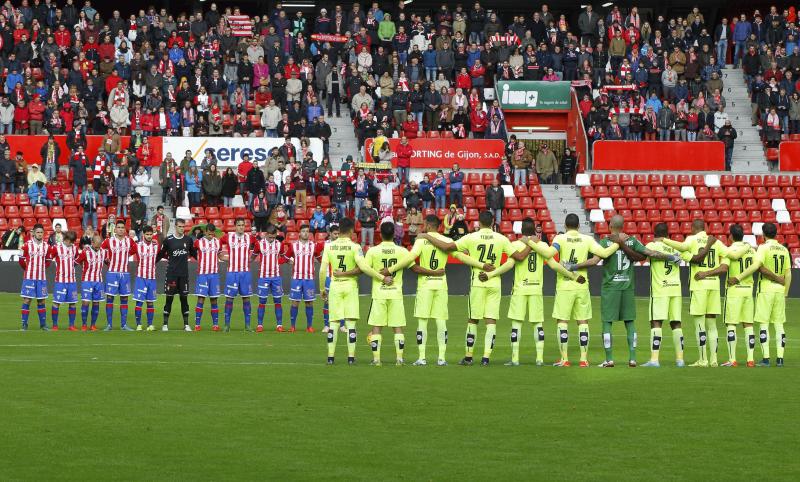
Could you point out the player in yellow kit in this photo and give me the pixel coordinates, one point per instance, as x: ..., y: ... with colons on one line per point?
x: 432, y: 297
x: 387, y: 307
x: 705, y: 253
x: 773, y: 262
x: 345, y: 257
x: 485, y: 249
x: 531, y: 254
x: 572, y: 301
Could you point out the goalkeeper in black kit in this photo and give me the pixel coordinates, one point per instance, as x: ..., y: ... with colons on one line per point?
x: 177, y: 249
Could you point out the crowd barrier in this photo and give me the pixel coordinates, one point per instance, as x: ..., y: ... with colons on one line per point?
x: 436, y: 153
x: 658, y: 156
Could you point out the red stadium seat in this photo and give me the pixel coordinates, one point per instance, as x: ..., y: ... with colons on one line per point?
x: 635, y: 203
x: 488, y: 178
x: 612, y: 180
x: 473, y: 178
x: 522, y: 190
x: 9, y: 199
x: 526, y: 202
x: 587, y: 191
x: 640, y: 215
x: 616, y: 191
x: 741, y: 181
x: 756, y: 180
x: 601, y: 229
x: 678, y: 203
x: 596, y: 179
x: 683, y: 180
x: 479, y: 190
x: 602, y: 191
x: 774, y: 192
x: 726, y: 180
x: 654, y: 179
x: 540, y: 203
x: 625, y: 180
x: 770, y: 180
x: 506, y: 227
x: 514, y: 215
x: 668, y: 216
x: 674, y: 192
x: 784, y: 181
x: 698, y: 180
x: 511, y: 203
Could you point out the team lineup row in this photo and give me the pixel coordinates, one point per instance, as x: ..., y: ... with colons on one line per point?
x: 342, y: 261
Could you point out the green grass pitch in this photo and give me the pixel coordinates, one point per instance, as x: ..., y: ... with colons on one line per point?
x: 214, y: 406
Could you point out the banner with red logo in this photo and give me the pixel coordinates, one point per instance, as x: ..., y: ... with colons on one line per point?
x: 326, y: 37
x: 438, y: 153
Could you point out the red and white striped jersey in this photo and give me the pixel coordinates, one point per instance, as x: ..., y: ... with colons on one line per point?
x: 146, y: 252
x: 272, y: 256
x: 34, y: 259
x: 92, y: 263
x: 207, y: 255
x: 238, y: 251
x: 119, y: 252
x: 64, y: 257
x: 303, y: 253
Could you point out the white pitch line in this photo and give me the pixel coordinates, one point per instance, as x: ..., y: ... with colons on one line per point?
x: 157, y: 362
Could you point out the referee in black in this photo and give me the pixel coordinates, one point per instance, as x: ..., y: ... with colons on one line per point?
x: 176, y: 249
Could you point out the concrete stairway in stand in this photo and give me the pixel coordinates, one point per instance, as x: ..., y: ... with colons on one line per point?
x: 748, y: 151
x: 563, y: 199
x: 343, y: 140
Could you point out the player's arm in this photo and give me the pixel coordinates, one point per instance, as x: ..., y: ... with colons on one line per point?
x: 562, y: 270
x: 597, y: 250
x: 470, y: 261
x: 364, y: 265
x: 323, y: 271
x: 678, y: 245
x: 408, y: 259
x: 593, y: 261
x: 737, y: 252
x: 719, y: 270
x: 787, y: 282
x: 631, y: 253
x: 162, y: 252
x: 542, y: 249
x: 703, y: 252
x: 23, y: 259
x: 447, y: 246
x: 504, y: 268
x: 520, y: 255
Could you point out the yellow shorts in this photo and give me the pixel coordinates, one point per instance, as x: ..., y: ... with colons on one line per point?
x: 531, y: 306
x: 431, y: 304
x: 343, y: 305
x: 738, y: 309
x: 389, y: 313
x: 770, y: 308
x: 572, y: 305
x: 484, y: 303
x: 705, y: 302
x: 666, y: 308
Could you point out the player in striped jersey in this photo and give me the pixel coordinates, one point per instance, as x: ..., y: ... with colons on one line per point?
x: 119, y: 249
x: 34, y: 281
x: 272, y: 255
x: 302, y: 254
x: 145, y: 287
x: 207, y: 283
x: 92, y: 259
x: 65, y: 289
x: 238, y: 283
x: 333, y: 235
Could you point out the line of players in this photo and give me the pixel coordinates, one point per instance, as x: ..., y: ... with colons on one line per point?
x: 483, y: 250
x: 237, y: 248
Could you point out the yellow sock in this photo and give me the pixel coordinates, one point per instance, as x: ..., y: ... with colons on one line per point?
x: 563, y: 341
x: 731, y: 343
x: 422, y: 336
x: 763, y: 339
x: 516, y: 335
x: 750, y: 341
x: 399, y: 344
x: 583, y: 337
x: 780, y: 340
x: 539, y: 341
x: 376, y: 338
x: 472, y: 332
x: 655, y: 343
x: 488, y: 340
x: 713, y: 340
x: 333, y: 334
x: 351, y: 337
x: 441, y: 337
x: 677, y: 341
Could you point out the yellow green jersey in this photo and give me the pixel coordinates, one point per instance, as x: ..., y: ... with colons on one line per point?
x: 665, y: 276
x: 432, y: 258
x: 574, y: 247
x: 735, y: 267
x: 713, y: 259
x: 775, y: 257
x: 386, y: 255
x: 486, y: 246
x: 340, y: 255
x: 529, y: 273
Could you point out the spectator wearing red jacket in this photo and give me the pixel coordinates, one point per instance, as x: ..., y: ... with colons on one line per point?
x: 477, y: 72
x: 68, y: 116
x: 148, y: 122
x: 478, y: 121
x: 63, y: 37
x: 21, y: 118
x: 36, y: 113
x: 242, y: 170
x: 410, y: 127
x: 403, y: 155
x: 463, y: 80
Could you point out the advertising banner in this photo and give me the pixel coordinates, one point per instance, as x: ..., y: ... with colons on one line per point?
x: 659, y: 156
x: 440, y: 153
x: 534, y: 95
x: 229, y: 150
x: 31, y: 146
x: 789, y: 156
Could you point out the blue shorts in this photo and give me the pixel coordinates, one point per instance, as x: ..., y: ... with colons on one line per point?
x: 144, y: 290
x: 207, y: 285
x: 34, y: 288
x: 92, y: 291
x: 238, y: 283
x: 65, y: 293
x: 118, y: 284
x: 267, y: 286
x: 303, y: 290
x: 328, y: 283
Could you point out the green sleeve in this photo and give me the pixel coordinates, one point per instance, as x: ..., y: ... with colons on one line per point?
x: 638, y: 246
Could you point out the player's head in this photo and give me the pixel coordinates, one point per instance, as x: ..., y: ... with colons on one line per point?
x: 346, y: 226
x: 180, y: 227
x: 147, y: 233
x: 271, y: 232
x: 240, y: 225
x: 304, y: 232
x: 119, y: 228
x: 737, y: 233
x: 769, y: 230
x: 69, y: 237
x: 616, y: 223
x: 211, y: 231
x: 486, y: 219
x: 661, y: 230
x: 38, y: 232
x: 432, y: 223
x: 387, y: 231
x: 572, y: 221
x: 97, y: 241
x: 528, y: 227
x: 333, y: 234
x: 698, y: 225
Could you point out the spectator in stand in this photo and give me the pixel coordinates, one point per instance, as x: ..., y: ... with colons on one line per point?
x: 439, y: 185
x: 317, y: 222
x: 521, y: 161
x: 339, y: 194
x: 7, y: 170
x: 332, y: 217
x: 794, y: 113
x: 6, y: 116
x: 666, y: 122
x: 138, y: 211
x: 568, y: 167
x: 13, y: 238
x: 50, y: 153
x: 37, y: 194
x: 412, y: 196
x: 142, y: 182
x: 361, y: 191
x: 368, y: 217
x: 386, y: 195
x: 413, y: 223
x: 89, y: 201
x: 496, y: 201
x: 455, y: 179
x: 505, y: 173
x: 450, y: 218
x: 546, y: 165
x: 35, y: 175
x: 230, y: 182
x: 160, y: 223
x: 243, y: 169
x: 259, y: 208
x: 426, y: 192
x: 212, y: 185
x: 720, y: 118
x: 727, y: 134
x: 193, y: 180
x: 404, y: 153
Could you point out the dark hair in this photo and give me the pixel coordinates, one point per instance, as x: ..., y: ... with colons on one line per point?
x: 486, y: 218
x: 346, y: 225
x: 147, y: 229
x: 528, y: 227
x: 432, y: 220
x: 572, y: 221
x: 179, y: 221
x: 769, y: 230
x: 37, y: 226
x: 387, y: 231
x: 303, y: 226
x: 737, y: 233
x: 237, y: 220
x: 119, y: 221
x: 271, y: 229
x: 661, y: 230
x: 71, y: 236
